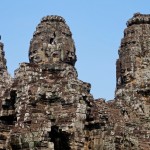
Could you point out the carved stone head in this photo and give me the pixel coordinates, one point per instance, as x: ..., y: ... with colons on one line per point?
x: 52, y: 42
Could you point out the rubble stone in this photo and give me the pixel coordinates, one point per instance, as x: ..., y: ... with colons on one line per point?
x: 47, y: 107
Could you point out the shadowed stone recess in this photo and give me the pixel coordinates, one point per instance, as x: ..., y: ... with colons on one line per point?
x: 46, y: 106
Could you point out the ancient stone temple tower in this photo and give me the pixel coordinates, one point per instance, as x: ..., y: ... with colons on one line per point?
x: 133, y: 69
x: 133, y: 79
x: 51, y: 103
x: 46, y: 106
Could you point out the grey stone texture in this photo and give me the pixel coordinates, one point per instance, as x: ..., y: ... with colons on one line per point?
x: 46, y: 107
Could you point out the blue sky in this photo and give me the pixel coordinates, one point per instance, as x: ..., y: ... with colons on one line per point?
x: 97, y: 27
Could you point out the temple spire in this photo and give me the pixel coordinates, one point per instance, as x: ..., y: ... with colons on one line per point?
x: 2, y: 56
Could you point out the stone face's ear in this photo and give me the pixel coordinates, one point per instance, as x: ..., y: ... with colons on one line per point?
x: 52, y: 36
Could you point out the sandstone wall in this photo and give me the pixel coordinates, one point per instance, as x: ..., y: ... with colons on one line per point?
x: 46, y: 106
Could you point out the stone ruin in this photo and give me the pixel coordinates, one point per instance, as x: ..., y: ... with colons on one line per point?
x: 46, y: 107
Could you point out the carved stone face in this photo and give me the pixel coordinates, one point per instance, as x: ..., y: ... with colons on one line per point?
x: 52, y: 42
x: 70, y: 56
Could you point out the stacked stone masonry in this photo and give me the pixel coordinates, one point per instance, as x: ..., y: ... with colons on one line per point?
x: 46, y: 107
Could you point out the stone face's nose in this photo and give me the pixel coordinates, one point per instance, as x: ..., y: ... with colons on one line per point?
x: 52, y: 42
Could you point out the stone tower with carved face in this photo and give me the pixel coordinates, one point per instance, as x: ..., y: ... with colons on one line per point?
x: 51, y: 103
x: 133, y: 75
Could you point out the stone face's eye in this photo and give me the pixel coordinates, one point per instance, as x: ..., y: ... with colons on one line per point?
x: 55, y: 55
